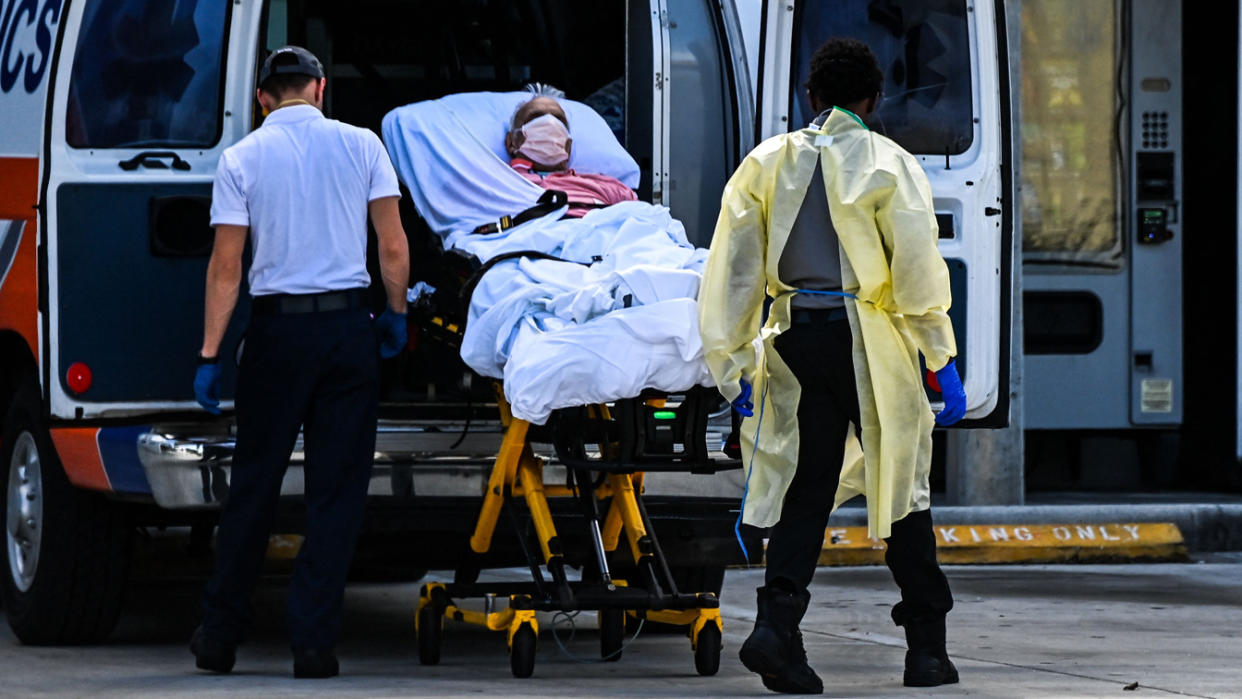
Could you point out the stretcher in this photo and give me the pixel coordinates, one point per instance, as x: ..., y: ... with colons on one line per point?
x: 606, y: 450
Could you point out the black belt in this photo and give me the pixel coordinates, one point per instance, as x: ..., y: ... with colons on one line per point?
x: 817, y: 316
x: 279, y: 304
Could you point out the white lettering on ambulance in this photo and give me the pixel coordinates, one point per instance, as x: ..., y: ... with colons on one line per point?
x: 26, y: 33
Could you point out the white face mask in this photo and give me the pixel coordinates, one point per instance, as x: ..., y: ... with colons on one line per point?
x: 546, y: 141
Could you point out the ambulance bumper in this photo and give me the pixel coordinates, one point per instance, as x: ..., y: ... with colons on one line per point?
x: 188, y: 471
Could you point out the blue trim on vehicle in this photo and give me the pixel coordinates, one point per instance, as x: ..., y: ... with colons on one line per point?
x: 118, y: 449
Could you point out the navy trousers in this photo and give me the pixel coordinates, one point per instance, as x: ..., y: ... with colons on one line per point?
x: 820, y: 356
x: 316, y: 373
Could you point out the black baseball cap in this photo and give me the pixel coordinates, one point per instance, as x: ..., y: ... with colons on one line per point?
x: 292, y: 59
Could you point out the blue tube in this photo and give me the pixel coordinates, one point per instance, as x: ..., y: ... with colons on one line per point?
x: 737, y: 526
x: 816, y: 292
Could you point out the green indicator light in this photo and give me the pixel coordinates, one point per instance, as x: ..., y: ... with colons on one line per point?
x: 665, y: 415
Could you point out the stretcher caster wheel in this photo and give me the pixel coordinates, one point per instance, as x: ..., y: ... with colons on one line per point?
x: 611, y: 634
x: 522, y: 652
x: 707, y: 651
x: 430, y: 634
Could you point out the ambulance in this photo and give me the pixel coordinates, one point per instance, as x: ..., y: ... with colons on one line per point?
x: 114, y: 113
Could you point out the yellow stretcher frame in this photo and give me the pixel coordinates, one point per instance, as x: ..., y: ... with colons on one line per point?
x: 518, y: 472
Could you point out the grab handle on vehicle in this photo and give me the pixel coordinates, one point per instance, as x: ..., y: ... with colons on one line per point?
x: 151, y: 159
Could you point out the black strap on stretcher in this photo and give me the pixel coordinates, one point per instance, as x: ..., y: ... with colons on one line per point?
x: 549, y: 201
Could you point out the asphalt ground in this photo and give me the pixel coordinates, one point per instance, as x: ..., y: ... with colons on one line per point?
x: 1016, y: 631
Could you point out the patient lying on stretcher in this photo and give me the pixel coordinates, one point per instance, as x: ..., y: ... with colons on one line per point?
x: 539, y: 145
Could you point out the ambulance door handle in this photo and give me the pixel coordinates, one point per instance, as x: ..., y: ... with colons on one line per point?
x: 151, y: 159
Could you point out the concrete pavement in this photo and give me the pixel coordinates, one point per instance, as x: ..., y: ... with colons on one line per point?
x: 1017, y: 631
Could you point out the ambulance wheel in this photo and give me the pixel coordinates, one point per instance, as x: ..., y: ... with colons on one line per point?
x: 65, y: 551
x: 522, y: 652
x: 430, y: 634
x: 611, y: 634
x: 707, y: 651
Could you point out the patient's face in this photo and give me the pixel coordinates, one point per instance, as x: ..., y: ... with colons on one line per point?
x: 537, y: 107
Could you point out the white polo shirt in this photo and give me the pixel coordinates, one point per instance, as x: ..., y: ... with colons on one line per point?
x: 302, y: 183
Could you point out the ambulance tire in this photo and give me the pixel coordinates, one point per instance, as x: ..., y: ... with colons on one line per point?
x: 81, y: 546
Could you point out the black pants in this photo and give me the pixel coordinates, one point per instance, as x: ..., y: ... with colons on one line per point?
x: 819, y: 354
x: 316, y: 372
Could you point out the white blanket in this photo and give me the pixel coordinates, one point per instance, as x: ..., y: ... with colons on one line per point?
x: 561, y: 333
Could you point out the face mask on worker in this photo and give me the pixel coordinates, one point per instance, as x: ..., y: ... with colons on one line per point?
x: 546, y: 141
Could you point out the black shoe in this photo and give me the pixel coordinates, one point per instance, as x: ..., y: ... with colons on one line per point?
x: 926, y: 669
x: 314, y: 663
x: 210, y: 654
x: 927, y: 660
x: 774, y: 649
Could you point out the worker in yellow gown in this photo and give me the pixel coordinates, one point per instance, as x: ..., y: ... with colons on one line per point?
x: 835, y: 225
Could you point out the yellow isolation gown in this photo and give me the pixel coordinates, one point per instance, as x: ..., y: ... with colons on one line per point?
x: 881, y: 206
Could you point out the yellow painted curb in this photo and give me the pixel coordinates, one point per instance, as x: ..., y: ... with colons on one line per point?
x: 1021, y: 543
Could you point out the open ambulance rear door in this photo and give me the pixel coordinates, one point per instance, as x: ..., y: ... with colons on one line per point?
x: 144, y: 98
x: 946, y: 100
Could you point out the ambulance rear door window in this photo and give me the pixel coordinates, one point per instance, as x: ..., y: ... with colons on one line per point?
x: 923, y: 47
x: 148, y: 74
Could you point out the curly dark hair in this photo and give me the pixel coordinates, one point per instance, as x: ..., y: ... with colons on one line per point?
x: 844, y: 71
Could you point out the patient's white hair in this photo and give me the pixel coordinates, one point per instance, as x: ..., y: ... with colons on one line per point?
x: 544, y: 90
x: 537, y: 90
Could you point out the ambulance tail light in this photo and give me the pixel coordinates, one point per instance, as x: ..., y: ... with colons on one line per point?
x: 78, y: 378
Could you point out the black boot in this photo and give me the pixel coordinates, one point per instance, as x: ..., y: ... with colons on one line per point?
x: 210, y: 654
x: 774, y: 649
x: 927, y: 661
x: 314, y: 663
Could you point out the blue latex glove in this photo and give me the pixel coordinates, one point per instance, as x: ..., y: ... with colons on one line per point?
x: 207, y: 387
x: 953, y: 394
x: 742, y: 403
x: 393, y: 333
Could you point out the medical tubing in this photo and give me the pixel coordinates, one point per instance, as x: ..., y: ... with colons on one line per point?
x: 573, y: 630
x: 763, y: 398
x: 817, y: 292
x: 737, y: 524
x: 465, y: 430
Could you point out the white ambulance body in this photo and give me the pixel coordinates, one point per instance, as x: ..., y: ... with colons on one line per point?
x: 113, y: 114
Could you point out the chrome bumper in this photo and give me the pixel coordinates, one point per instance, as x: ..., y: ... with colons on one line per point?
x: 191, y: 471
x: 188, y: 471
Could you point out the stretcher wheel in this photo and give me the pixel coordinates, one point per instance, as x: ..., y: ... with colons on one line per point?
x: 430, y: 634
x: 611, y: 634
x: 707, y: 650
x: 522, y: 652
